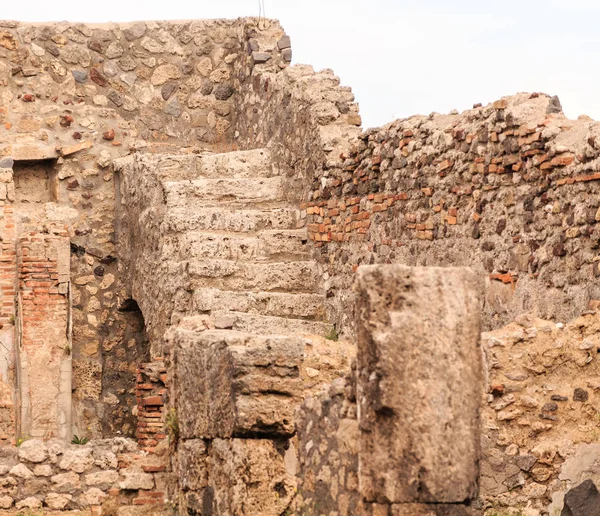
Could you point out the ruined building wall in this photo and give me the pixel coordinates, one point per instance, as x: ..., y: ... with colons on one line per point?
x: 508, y: 189
x: 72, y: 98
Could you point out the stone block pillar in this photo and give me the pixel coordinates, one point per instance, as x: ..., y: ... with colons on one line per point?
x: 419, y: 385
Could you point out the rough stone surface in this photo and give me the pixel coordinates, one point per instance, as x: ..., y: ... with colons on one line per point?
x: 419, y: 384
x: 582, y: 500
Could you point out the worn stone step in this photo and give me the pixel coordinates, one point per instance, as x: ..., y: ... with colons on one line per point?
x: 240, y: 164
x: 299, y: 276
x: 231, y: 384
x: 267, y: 245
x: 223, y: 219
x: 267, y: 191
x: 268, y: 325
x: 279, y: 304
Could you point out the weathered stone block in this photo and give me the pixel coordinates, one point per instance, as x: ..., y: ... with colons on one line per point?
x: 248, y: 476
x: 229, y: 383
x: 419, y: 384
x: 583, y: 500
x: 192, y: 472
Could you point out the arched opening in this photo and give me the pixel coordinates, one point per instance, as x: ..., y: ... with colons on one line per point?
x: 122, y: 359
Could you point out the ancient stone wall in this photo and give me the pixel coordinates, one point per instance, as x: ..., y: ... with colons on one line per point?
x: 100, y: 477
x: 508, y: 189
x: 540, y: 420
x: 73, y: 97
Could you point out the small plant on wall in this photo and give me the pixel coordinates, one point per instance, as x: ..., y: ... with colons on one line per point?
x: 80, y: 440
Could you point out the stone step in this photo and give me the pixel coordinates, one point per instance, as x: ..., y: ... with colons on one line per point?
x: 231, y: 384
x: 267, y: 191
x: 299, y: 276
x: 240, y: 164
x: 279, y: 304
x: 267, y: 325
x: 223, y: 219
x: 267, y: 245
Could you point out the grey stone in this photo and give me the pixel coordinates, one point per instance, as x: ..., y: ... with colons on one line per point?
x: 419, y: 383
x: 110, y: 69
x: 223, y: 91
x: 52, y: 48
x: 207, y: 87
x: 525, y: 462
x: 128, y: 64
x: 168, y: 89
x: 6, y: 163
x: 260, y: 57
x: 115, y: 98
x: 286, y: 54
x: 80, y: 75
x: 135, y: 31
x: 173, y: 108
x: 284, y: 42
x: 583, y: 500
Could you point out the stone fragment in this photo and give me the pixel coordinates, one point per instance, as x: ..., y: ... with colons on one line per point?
x: 6, y: 162
x: 42, y: 470
x: 419, y: 383
x: 583, y: 500
x: 241, y: 384
x: 260, y: 57
x: 66, y: 482
x: 74, y: 54
x: 127, y: 64
x: 136, y: 480
x: 8, y: 41
x: 78, y: 460
x: 33, y: 450
x: 223, y: 91
x: 92, y: 496
x: 114, y: 50
x: 29, y: 503
x: 164, y: 73
x: 102, y: 479
x: 284, y: 42
x: 6, y: 502
x: 57, y: 501
x: 98, y: 78
x: 21, y: 471
x: 168, y: 89
x: 115, y: 98
x: 136, y: 31
x: 79, y: 75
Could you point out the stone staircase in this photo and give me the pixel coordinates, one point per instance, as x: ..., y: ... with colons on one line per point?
x: 248, y: 343
x: 249, y: 267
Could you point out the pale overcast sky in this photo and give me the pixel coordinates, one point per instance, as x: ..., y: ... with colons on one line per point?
x: 403, y: 57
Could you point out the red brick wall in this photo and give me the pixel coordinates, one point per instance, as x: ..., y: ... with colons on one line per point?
x: 151, y: 391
